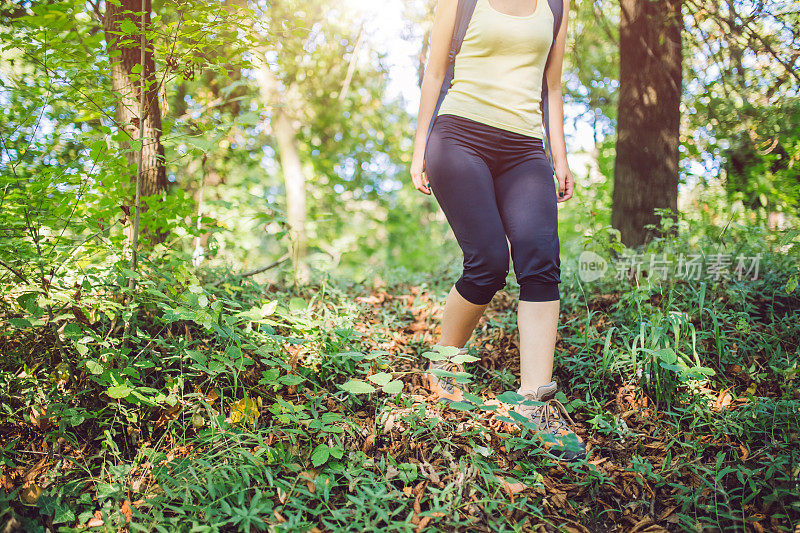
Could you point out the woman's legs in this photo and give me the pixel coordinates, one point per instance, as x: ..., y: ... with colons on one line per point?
x: 537, y: 323
x: 457, y: 158
x: 459, y: 320
x: 491, y: 184
x: 526, y: 197
x: 458, y: 155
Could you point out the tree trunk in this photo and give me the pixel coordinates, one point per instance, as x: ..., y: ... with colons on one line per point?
x: 126, y: 84
x: 648, y: 123
x: 295, y: 182
x: 276, y: 97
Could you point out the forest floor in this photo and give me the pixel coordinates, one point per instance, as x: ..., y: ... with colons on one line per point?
x: 228, y: 410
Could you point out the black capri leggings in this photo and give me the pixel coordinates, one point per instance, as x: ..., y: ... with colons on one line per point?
x: 491, y: 184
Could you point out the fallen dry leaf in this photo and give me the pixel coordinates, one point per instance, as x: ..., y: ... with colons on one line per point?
x: 39, y: 418
x: 126, y: 510
x: 95, y: 521
x: 646, y: 525
x: 423, y: 522
x: 309, y: 476
x: 512, y: 488
x: 723, y: 400
x: 30, y: 493
x: 368, y: 443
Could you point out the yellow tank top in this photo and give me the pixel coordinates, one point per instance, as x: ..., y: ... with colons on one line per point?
x: 499, y: 70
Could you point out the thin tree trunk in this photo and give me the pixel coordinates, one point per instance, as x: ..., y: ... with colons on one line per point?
x: 125, y: 82
x: 648, y: 124
x: 283, y: 128
x: 430, y: 8
x: 295, y: 183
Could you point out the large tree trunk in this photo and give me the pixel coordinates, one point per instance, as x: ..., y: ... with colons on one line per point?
x: 126, y: 83
x: 648, y: 121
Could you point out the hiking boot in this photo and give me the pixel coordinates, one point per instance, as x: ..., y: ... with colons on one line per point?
x: 445, y: 387
x: 555, y: 424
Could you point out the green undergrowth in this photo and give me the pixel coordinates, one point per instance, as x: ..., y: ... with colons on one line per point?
x: 237, y: 406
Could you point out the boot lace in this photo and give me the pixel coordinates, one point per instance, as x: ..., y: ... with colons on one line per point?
x: 551, y: 416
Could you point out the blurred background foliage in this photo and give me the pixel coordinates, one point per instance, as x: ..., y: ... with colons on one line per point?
x: 223, y: 70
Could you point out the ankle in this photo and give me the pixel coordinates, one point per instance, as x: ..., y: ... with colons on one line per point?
x: 532, y: 387
x: 461, y: 349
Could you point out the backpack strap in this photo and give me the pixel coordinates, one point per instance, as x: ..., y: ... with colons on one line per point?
x: 463, y: 16
x: 557, y: 7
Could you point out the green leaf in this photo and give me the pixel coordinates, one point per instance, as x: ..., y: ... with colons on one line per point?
x: 463, y: 377
x: 393, y: 387
x: 461, y: 406
x: 73, y: 330
x: 233, y: 353
x: 357, y: 356
x: 356, y: 386
x: 297, y: 304
x: 141, y: 397
x: 20, y: 323
x: 269, y: 377
x: 197, y: 356
x: 107, y: 490
x: 291, y: 379
x: 673, y: 368
x: 337, y: 452
x: 791, y: 284
x: 447, y: 351
x: 518, y: 417
x: 377, y: 353
x: 477, y: 400
x: 407, y: 472
x: 126, y: 26
x: 465, y: 358
x: 215, y: 367
x: 380, y: 379
x: 94, y: 367
x: 667, y: 355
x: 50, y: 505
x: 119, y: 391
x: 320, y: 455
x: 268, y: 308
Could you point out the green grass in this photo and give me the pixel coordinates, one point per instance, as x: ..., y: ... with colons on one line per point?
x: 224, y: 411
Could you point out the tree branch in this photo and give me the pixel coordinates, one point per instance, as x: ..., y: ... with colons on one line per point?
x: 284, y: 258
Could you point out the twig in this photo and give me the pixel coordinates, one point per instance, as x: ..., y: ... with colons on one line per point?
x: 14, y: 271
x: 352, y: 67
x: 254, y: 272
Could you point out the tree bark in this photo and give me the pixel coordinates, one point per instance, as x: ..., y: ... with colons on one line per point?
x: 126, y: 84
x: 648, y: 124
